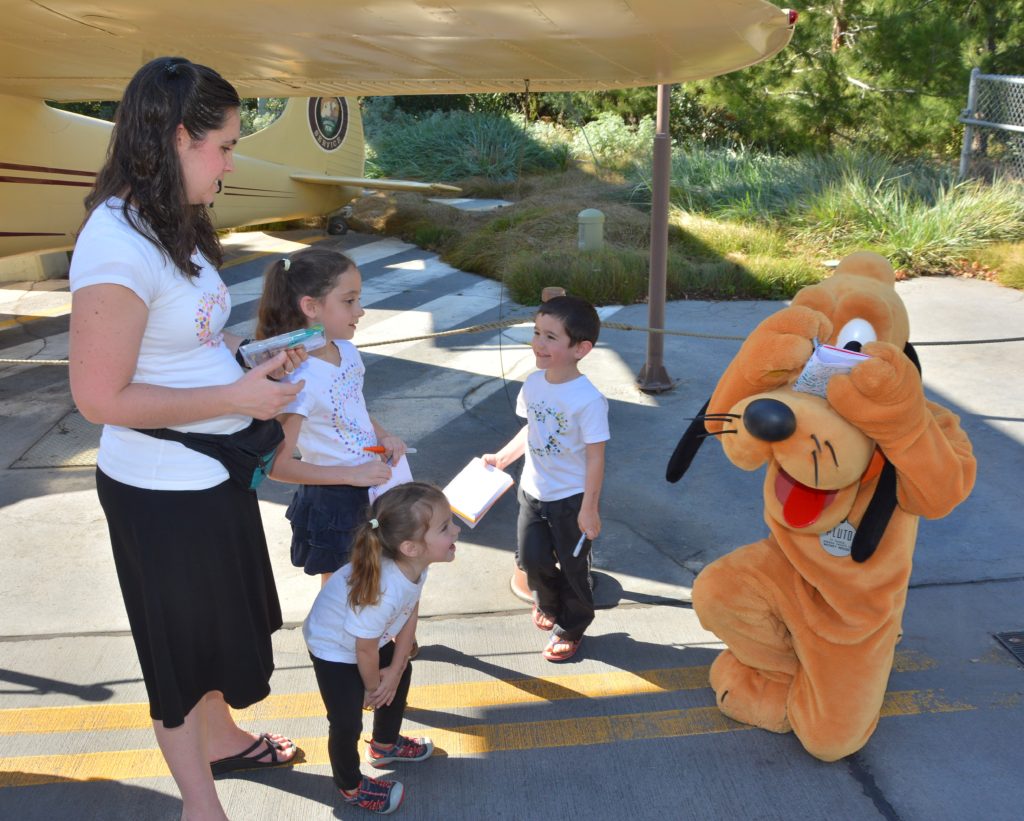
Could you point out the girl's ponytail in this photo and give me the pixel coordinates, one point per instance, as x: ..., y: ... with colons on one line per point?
x: 364, y: 582
x: 276, y: 310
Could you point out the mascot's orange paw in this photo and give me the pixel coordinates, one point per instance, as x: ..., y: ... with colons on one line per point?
x: 746, y: 695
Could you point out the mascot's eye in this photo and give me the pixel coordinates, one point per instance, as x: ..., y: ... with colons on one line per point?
x: 856, y: 334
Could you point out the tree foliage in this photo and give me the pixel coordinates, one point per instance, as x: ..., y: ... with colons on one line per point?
x: 892, y: 74
x: 100, y: 110
x: 255, y: 113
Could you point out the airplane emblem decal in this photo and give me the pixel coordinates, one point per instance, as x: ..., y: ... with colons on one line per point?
x: 328, y: 121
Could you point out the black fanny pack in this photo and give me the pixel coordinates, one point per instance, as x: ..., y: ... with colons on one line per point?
x: 246, y: 455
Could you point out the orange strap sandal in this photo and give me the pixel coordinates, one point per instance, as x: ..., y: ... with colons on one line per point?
x: 541, y: 620
x: 560, y: 648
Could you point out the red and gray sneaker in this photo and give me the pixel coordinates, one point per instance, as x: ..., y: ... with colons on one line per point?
x: 376, y: 795
x: 405, y: 749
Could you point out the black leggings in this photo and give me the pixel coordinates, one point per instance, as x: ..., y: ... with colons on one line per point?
x: 342, y: 690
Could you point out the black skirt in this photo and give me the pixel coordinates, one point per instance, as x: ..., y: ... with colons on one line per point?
x: 198, y: 587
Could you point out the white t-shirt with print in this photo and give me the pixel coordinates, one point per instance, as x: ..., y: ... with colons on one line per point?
x: 562, y: 419
x: 182, y: 347
x: 337, y: 424
x: 332, y: 627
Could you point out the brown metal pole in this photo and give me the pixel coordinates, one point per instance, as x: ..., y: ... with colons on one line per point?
x: 653, y: 377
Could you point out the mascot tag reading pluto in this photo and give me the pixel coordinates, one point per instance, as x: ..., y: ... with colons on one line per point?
x: 827, y: 393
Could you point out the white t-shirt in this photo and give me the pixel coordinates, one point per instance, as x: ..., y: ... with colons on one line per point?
x: 562, y: 420
x: 332, y: 627
x: 182, y: 347
x: 337, y: 425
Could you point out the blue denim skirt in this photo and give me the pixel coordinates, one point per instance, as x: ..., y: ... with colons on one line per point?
x: 324, y: 519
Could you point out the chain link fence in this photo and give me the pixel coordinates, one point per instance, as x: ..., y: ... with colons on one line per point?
x: 993, y: 127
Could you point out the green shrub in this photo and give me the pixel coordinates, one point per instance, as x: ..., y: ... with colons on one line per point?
x: 742, y: 224
x: 612, y: 276
x: 619, y: 276
x: 922, y: 230
x: 703, y: 237
x: 452, y: 145
x: 611, y: 144
x: 910, y: 211
x: 1004, y: 261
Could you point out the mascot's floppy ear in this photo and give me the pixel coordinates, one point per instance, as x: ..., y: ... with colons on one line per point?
x: 883, y: 501
x: 876, y: 517
x: 693, y: 437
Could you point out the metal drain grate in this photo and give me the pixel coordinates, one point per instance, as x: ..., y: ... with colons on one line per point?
x: 72, y: 442
x: 1014, y: 642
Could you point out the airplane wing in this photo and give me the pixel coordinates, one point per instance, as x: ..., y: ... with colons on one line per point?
x: 382, y: 184
x: 72, y: 50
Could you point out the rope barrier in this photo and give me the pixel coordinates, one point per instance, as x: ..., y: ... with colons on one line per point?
x: 472, y: 329
x: 614, y: 326
x: 33, y: 362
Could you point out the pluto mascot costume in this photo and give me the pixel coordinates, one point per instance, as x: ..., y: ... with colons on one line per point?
x: 810, y: 615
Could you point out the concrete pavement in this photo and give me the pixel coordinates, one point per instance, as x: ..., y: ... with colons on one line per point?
x: 628, y: 728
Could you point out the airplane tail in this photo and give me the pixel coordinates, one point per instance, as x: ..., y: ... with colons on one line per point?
x: 321, y: 135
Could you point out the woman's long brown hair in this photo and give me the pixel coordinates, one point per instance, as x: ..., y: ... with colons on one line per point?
x: 142, y: 165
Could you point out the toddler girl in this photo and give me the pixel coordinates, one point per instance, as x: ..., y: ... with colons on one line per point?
x: 360, y: 632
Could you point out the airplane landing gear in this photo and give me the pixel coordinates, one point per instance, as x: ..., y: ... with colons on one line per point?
x: 337, y: 224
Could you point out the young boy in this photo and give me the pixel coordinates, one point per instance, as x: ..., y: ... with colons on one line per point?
x: 563, y: 439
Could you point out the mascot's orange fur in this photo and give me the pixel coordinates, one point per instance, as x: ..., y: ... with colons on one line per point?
x: 809, y: 616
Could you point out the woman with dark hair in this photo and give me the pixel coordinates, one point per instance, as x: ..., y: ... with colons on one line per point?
x: 147, y: 352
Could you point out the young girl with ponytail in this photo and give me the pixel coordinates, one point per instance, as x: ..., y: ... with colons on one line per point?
x: 328, y: 421
x: 360, y: 632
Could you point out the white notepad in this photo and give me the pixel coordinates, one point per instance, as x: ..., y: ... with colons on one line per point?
x: 476, y: 488
x: 400, y: 474
x: 826, y: 361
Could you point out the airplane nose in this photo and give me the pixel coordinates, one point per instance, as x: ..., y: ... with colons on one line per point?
x: 769, y: 420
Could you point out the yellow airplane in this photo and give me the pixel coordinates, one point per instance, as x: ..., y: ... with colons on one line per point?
x: 322, y: 53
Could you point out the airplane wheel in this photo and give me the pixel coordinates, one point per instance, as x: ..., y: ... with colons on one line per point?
x: 337, y: 226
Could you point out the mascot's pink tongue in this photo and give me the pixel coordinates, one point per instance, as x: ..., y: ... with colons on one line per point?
x: 801, y: 505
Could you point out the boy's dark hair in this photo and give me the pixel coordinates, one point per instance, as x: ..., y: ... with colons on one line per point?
x: 578, y: 317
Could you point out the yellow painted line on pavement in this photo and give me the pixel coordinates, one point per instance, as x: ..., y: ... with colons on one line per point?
x: 458, y: 742
x: 919, y: 702
x: 912, y: 661
x: 86, y: 718
x: 37, y: 313
x: 428, y: 697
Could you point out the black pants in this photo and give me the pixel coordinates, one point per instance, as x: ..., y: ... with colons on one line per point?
x: 560, y: 582
x: 342, y: 690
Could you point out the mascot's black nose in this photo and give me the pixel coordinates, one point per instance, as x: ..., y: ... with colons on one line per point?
x: 769, y: 420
